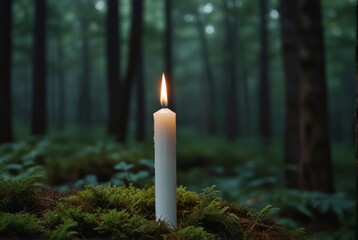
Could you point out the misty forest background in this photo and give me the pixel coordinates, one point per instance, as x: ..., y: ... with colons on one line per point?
x: 264, y: 93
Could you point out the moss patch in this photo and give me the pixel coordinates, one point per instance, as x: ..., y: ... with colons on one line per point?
x: 108, y: 212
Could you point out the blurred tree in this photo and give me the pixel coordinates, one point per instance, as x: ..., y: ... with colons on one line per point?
x: 339, y: 37
x: 61, y: 81
x: 315, y: 159
x: 232, y: 106
x: 290, y: 55
x: 6, y: 134
x: 210, y: 90
x: 168, y: 56
x: 113, y: 66
x: 245, y: 93
x: 85, y: 99
x: 134, y: 53
x: 57, y: 32
x: 39, y: 94
x: 356, y: 111
x: 140, y: 118
x: 264, y: 86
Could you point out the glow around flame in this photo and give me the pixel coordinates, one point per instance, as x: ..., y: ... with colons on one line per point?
x: 163, y: 93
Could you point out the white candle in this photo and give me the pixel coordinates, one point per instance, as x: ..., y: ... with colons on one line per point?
x: 165, y: 161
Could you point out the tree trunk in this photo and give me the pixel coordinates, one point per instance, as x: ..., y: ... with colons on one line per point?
x: 210, y: 91
x: 168, y: 53
x: 232, y: 106
x: 264, y: 88
x: 141, y: 127
x: 84, y: 101
x: 290, y: 55
x: 52, y: 84
x: 61, y: 83
x: 315, y: 159
x: 113, y: 66
x: 356, y: 113
x: 6, y: 134
x: 39, y: 94
x: 134, y: 50
x: 246, y: 103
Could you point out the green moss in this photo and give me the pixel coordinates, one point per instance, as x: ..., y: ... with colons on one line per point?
x: 132, y: 199
x: 19, y: 195
x: 194, y: 233
x: 122, y: 225
x: 19, y: 225
x: 128, y: 213
x: 186, y: 202
x: 63, y: 231
x: 215, y: 219
x: 85, y: 221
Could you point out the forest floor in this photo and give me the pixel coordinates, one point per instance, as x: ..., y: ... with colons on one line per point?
x: 244, y: 172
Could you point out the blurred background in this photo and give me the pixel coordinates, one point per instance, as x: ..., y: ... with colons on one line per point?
x: 263, y: 90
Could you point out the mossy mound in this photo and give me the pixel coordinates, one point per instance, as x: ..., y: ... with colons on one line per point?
x: 107, y: 212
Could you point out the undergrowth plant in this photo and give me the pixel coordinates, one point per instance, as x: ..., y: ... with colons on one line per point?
x: 18, y: 195
x: 19, y: 225
x: 128, y: 213
x: 96, y: 167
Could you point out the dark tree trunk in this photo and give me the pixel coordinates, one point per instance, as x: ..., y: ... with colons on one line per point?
x: 210, y: 91
x: 134, y: 50
x: 315, y: 159
x: 264, y: 87
x: 61, y: 83
x: 290, y: 55
x: 168, y: 63
x: 232, y: 106
x: 84, y: 101
x: 39, y: 94
x: 113, y: 66
x: 356, y: 114
x: 245, y: 93
x: 140, y: 118
x: 52, y: 84
x: 6, y: 134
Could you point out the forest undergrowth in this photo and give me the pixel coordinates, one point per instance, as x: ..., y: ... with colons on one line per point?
x: 65, y: 173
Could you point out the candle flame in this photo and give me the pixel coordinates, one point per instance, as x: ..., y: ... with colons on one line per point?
x: 163, y: 95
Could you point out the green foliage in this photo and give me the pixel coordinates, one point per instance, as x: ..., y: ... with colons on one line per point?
x: 297, y: 232
x: 108, y: 197
x: 23, y: 159
x: 209, y: 195
x: 269, y: 210
x: 126, y: 176
x: 186, y: 202
x: 213, y: 216
x: 122, y: 225
x: 194, y: 233
x: 251, y: 181
x: 215, y: 219
x: 70, y: 164
x: 128, y: 213
x: 19, y: 225
x: 310, y: 202
x: 85, y: 221
x: 97, y: 197
x: 63, y: 231
x: 19, y: 195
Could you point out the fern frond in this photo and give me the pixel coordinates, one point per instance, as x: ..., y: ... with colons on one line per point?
x: 269, y: 210
x: 63, y: 231
x: 209, y: 195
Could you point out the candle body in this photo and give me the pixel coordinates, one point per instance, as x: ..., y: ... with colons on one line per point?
x: 165, y: 166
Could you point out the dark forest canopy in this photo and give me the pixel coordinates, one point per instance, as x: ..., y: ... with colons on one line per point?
x: 67, y: 91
